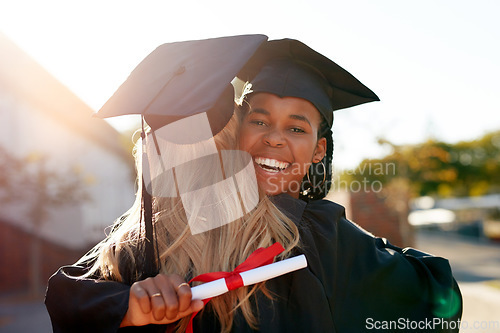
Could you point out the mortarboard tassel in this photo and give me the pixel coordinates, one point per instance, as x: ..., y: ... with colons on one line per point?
x: 149, y: 265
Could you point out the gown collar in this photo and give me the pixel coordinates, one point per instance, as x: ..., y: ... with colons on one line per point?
x: 291, y: 207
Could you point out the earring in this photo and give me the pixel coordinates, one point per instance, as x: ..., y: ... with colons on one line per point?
x: 324, y: 176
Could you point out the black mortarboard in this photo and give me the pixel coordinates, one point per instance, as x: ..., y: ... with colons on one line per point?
x: 288, y: 67
x: 181, y: 79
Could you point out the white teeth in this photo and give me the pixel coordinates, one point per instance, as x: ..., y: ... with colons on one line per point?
x: 271, y: 163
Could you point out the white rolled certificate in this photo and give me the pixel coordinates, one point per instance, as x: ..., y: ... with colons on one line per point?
x: 256, y: 275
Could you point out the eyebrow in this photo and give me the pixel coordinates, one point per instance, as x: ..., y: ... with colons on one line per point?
x: 260, y: 111
x: 292, y: 116
x: 301, y: 118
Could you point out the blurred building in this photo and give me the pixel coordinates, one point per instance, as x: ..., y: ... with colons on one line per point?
x: 44, y: 124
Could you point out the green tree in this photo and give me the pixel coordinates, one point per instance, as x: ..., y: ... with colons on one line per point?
x: 467, y: 168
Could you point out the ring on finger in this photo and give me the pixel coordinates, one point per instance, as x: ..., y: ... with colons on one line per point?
x: 156, y: 295
x: 181, y: 285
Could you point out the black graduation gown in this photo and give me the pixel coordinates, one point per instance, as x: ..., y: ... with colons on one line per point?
x: 354, y: 282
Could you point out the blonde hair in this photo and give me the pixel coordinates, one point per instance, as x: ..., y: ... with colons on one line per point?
x: 181, y: 252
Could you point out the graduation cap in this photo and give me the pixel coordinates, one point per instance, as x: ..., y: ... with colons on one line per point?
x: 184, y: 79
x: 288, y: 67
x: 181, y: 79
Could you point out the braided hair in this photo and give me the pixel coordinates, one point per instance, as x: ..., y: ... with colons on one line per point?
x: 318, y: 180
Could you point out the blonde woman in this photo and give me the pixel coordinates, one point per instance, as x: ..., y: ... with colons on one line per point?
x: 354, y: 281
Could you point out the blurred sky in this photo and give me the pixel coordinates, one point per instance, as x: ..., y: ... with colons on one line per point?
x: 434, y: 64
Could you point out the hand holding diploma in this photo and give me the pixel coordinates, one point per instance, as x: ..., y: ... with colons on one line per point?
x: 158, y: 300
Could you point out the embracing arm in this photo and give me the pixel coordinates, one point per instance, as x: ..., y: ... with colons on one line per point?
x: 372, y: 284
x: 78, y: 304
x: 404, y: 288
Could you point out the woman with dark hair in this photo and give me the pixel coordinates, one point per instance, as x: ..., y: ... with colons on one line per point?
x: 354, y: 281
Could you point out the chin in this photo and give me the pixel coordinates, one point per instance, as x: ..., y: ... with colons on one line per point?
x: 275, y: 189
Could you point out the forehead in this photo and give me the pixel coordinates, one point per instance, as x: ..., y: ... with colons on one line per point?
x: 283, y: 106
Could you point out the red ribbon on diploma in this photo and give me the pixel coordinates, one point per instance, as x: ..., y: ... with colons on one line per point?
x: 260, y: 257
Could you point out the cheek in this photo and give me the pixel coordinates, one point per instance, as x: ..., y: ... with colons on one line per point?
x: 245, y: 140
x: 242, y: 143
x: 298, y: 170
x: 305, y: 150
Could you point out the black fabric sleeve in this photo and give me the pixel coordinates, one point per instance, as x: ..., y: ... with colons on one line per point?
x: 78, y: 304
x: 372, y: 285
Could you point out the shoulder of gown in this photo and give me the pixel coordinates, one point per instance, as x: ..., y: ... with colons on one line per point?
x: 370, y: 283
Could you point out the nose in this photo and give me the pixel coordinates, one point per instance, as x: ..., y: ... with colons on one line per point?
x: 274, y: 138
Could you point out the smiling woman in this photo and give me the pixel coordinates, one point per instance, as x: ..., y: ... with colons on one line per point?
x: 135, y: 280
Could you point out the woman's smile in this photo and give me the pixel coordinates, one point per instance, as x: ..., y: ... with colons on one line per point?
x: 270, y: 164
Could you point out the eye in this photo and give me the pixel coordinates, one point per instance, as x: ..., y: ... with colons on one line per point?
x: 297, y: 130
x: 257, y: 122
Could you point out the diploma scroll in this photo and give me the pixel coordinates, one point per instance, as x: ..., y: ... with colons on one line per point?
x: 256, y: 275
